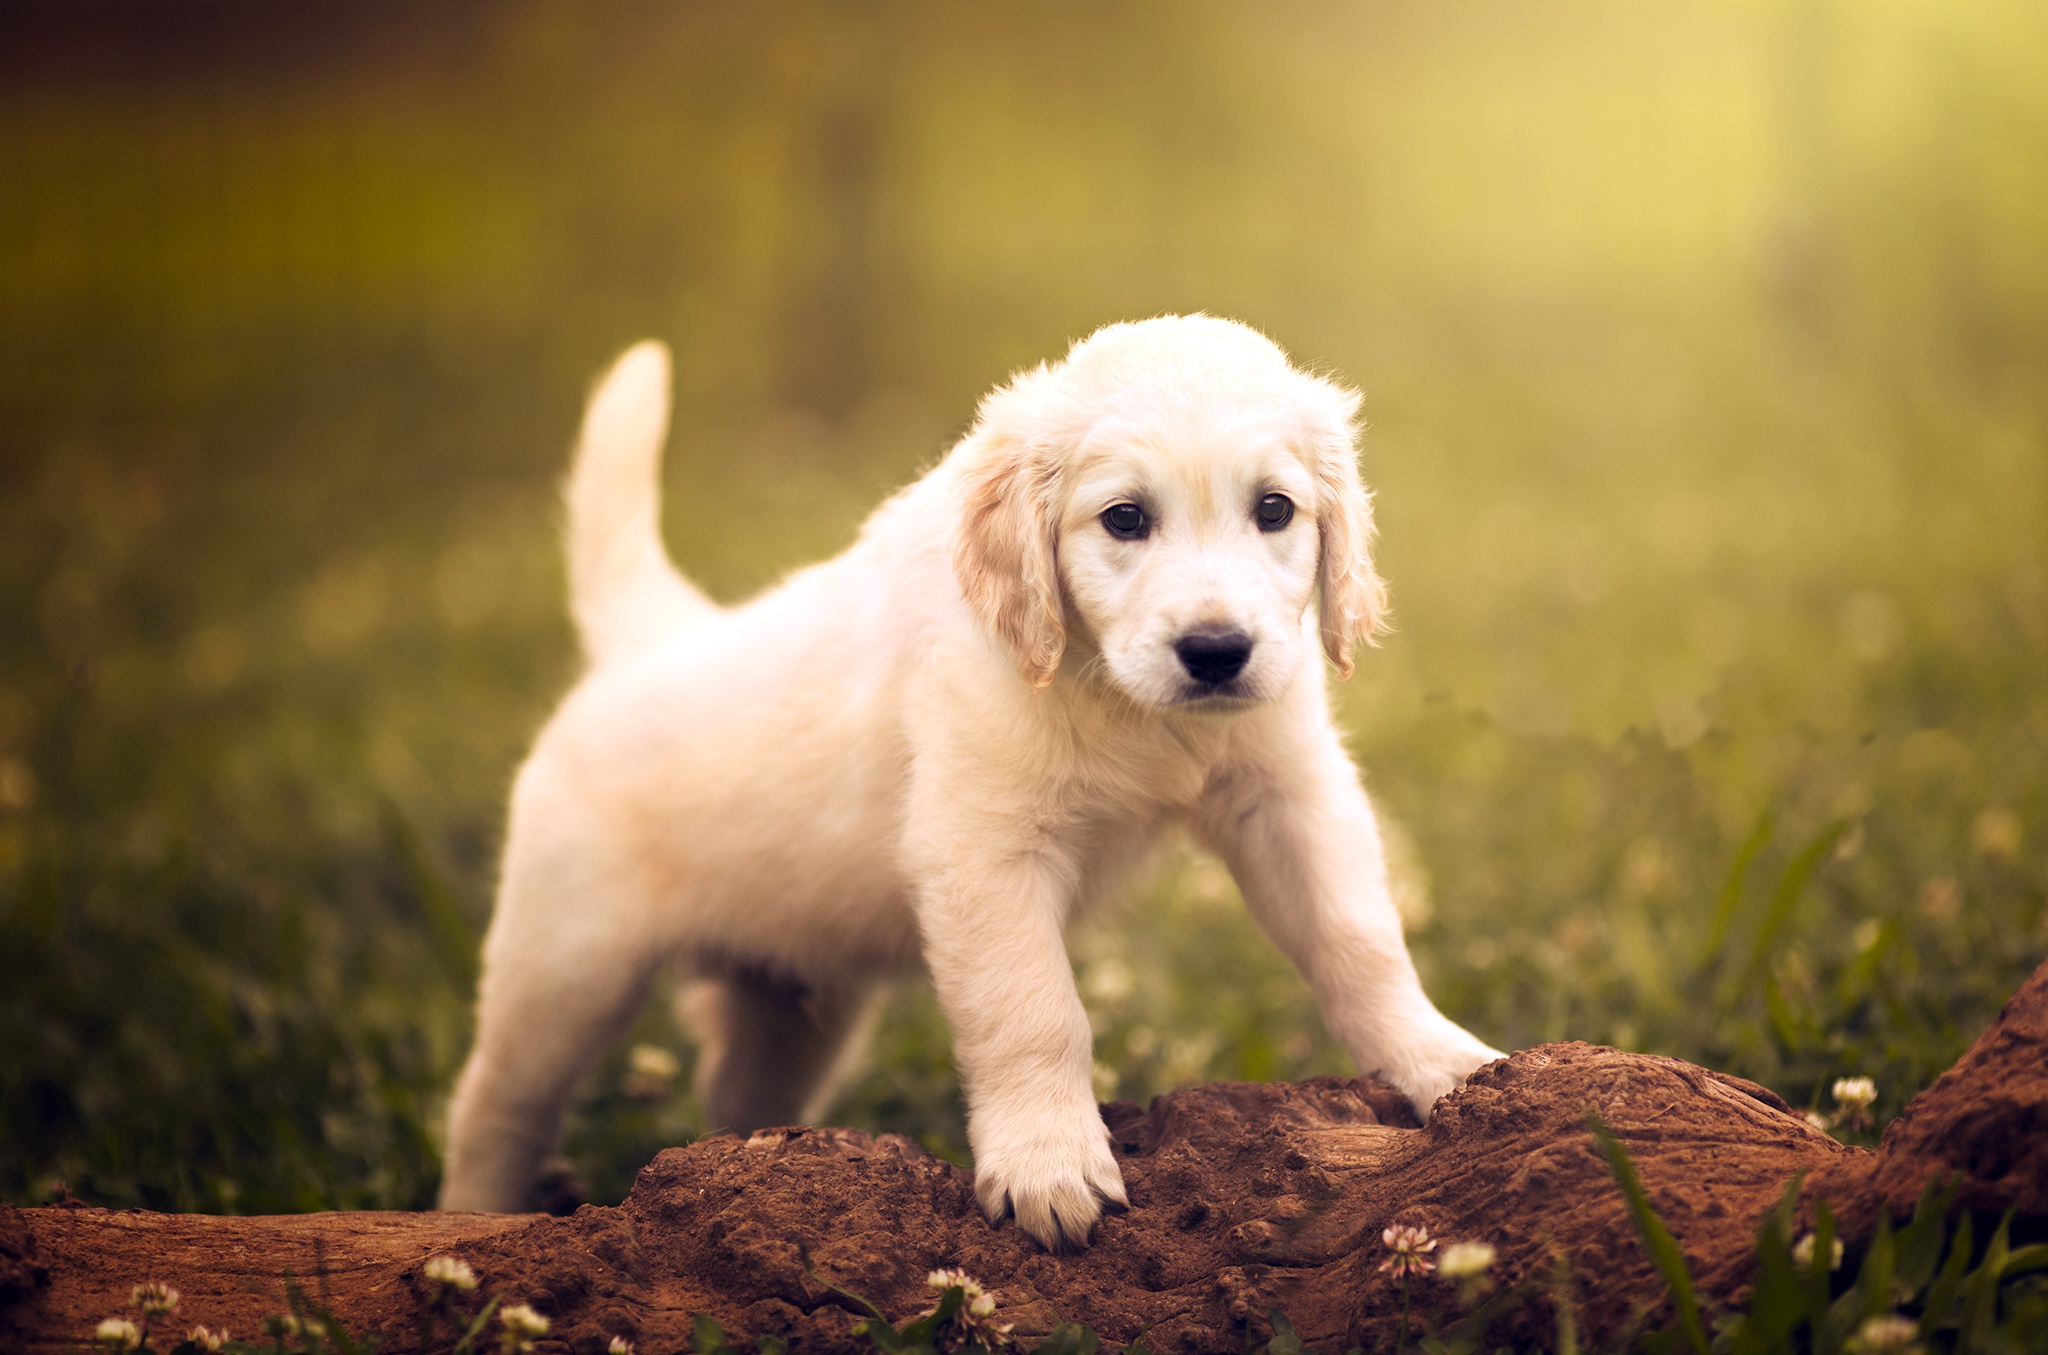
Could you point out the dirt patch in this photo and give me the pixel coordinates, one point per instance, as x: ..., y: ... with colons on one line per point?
x: 1244, y: 1197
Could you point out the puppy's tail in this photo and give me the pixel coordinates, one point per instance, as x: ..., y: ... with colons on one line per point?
x: 624, y: 592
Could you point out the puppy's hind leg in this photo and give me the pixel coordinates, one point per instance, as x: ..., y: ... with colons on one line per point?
x: 561, y: 981
x: 773, y: 1050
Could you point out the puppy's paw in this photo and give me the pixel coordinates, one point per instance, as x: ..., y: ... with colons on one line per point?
x: 1055, y: 1176
x: 1439, y: 1064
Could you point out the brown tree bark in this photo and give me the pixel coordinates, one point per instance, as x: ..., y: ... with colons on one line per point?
x: 1244, y: 1198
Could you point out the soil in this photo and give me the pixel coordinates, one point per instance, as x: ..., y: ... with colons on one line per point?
x: 1244, y: 1198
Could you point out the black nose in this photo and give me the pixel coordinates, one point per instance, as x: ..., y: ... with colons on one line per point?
x: 1213, y: 657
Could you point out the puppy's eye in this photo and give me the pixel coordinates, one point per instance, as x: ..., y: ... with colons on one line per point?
x: 1126, y: 521
x: 1274, y: 512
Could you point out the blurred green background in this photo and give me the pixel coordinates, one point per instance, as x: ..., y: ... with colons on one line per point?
x: 1705, y: 348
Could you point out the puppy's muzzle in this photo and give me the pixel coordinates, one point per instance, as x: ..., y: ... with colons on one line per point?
x: 1214, y: 657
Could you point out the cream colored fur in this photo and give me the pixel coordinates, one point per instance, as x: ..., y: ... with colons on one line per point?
x: 946, y: 745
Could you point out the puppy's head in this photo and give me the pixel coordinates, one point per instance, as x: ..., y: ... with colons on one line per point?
x: 1174, y: 492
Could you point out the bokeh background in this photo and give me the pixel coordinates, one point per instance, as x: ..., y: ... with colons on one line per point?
x: 1705, y: 348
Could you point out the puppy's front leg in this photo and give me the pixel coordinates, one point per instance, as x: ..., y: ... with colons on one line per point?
x: 1302, y: 842
x: 993, y: 937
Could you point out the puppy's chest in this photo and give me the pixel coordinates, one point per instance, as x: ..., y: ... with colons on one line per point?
x: 1143, y: 781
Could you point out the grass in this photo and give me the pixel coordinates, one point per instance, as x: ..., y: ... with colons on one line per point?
x: 1702, y: 353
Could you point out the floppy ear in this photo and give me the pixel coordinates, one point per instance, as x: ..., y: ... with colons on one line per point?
x: 1354, y: 605
x: 1004, y: 549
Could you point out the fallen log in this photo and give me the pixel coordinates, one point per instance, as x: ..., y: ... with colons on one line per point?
x: 1244, y: 1198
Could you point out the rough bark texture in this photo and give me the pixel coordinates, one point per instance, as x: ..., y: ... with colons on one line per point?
x: 1244, y: 1197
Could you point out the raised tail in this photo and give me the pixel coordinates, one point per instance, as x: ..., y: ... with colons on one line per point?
x: 624, y: 592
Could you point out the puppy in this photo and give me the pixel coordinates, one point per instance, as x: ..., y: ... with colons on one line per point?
x: 1089, y: 623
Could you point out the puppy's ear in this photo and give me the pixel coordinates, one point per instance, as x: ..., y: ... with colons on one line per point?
x: 1354, y: 604
x: 1004, y: 547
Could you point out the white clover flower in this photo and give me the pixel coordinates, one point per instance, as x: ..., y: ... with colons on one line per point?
x: 1109, y: 981
x: 1410, y: 1245
x: 1802, y: 1251
x: 450, y: 1272
x: 117, y: 1335
x: 155, y: 1299
x: 970, y: 1323
x: 208, y: 1340
x: 649, y: 1071
x: 522, y: 1319
x: 619, y: 1346
x: 1890, y: 1334
x: 1466, y: 1260
x: 1816, y: 1119
x: 1854, y: 1095
x: 942, y: 1280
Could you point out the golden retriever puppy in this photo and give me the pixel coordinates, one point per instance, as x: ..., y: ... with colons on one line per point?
x: 1089, y: 623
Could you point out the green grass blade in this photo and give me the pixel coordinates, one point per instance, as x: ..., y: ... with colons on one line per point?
x: 1776, y: 1303
x: 455, y: 939
x: 707, y: 1337
x: 1980, y: 1290
x: 1730, y: 900
x: 882, y: 1335
x: 922, y: 1331
x: 1799, y: 872
x: 1561, y: 1303
x: 1819, y: 1275
x: 1869, y: 1296
x: 1657, y: 1239
x: 476, y: 1328
x: 1286, y: 1341
x: 804, y: 1255
x: 1948, y: 1284
x: 1919, y: 1243
x: 1069, y: 1338
x: 2026, y: 1259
